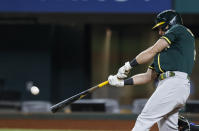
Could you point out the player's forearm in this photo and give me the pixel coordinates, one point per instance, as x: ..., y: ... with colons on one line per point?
x: 145, y: 56
x: 148, y: 54
x: 141, y: 79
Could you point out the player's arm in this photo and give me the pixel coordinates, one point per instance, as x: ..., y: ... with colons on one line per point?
x: 138, y: 79
x: 148, y: 54
x: 143, y: 78
x: 144, y: 57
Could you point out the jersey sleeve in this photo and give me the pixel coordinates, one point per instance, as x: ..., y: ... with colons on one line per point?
x: 172, y: 34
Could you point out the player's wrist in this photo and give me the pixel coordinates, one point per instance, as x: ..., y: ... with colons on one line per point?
x: 133, y: 63
x: 129, y: 81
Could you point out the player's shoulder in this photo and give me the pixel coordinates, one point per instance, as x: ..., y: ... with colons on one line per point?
x: 177, y: 28
x: 182, y: 29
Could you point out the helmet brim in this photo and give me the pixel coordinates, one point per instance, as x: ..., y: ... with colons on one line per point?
x: 158, y: 24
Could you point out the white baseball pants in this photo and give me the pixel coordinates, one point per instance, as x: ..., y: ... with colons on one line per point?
x: 162, y: 107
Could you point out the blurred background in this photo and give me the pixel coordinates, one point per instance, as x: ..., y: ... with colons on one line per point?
x: 64, y: 47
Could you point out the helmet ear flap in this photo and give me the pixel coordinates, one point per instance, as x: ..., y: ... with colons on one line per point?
x: 172, y: 21
x: 164, y: 27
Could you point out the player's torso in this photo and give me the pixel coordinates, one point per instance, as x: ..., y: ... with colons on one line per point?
x: 180, y: 55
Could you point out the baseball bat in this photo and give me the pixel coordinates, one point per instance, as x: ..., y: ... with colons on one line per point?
x: 70, y: 100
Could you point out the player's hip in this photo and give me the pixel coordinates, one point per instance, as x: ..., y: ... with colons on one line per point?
x: 176, y: 86
x: 174, y: 78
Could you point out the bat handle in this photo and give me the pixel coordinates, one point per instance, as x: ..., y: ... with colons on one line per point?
x: 103, y: 84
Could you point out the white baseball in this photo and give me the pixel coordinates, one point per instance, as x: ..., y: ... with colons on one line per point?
x: 34, y: 90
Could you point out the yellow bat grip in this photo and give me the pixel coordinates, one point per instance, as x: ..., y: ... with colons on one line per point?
x: 103, y: 84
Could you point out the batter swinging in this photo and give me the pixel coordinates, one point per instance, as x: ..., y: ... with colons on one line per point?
x: 173, y: 60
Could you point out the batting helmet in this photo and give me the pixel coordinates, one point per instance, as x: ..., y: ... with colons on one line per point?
x: 167, y: 17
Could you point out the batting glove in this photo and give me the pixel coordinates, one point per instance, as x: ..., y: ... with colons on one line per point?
x: 124, y: 70
x: 114, y: 81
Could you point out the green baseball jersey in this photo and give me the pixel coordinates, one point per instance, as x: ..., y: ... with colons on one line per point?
x: 179, y: 56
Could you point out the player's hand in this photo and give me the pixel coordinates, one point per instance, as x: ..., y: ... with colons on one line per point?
x: 124, y: 70
x: 114, y: 81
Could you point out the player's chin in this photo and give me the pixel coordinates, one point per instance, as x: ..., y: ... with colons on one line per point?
x: 161, y: 33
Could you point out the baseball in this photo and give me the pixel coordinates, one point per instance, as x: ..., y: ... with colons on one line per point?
x: 34, y: 90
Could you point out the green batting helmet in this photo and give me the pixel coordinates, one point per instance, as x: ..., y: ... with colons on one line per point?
x: 167, y: 17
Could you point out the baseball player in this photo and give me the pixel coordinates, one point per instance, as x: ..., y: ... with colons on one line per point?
x: 173, y: 60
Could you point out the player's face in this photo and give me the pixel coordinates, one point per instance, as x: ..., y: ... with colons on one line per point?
x: 160, y: 31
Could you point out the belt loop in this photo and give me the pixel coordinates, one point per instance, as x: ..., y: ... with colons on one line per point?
x: 188, y: 77
x: 172, y: 73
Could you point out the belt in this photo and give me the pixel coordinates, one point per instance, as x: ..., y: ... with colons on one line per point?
x: 170, y: 74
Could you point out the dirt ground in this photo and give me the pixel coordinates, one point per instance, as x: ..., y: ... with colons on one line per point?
x: 120, y: 125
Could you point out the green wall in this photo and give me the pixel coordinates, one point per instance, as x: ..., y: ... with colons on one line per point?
x: 186, y: 6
